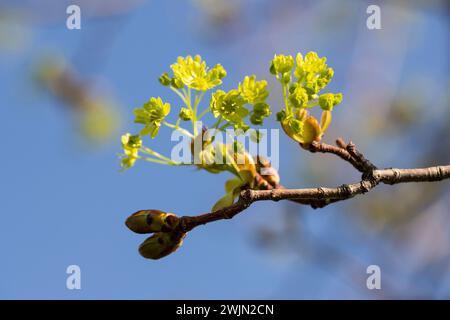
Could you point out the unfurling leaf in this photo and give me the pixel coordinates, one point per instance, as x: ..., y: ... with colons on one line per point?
x: 225, y: 201
x: 246, y: 167
x: 305, y: 131
x: 325, y: 120
x: 232, y: 189
x: 233, y: 184
x: 311, y: 130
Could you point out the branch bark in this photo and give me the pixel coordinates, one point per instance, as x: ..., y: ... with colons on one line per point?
x: 322, y: 196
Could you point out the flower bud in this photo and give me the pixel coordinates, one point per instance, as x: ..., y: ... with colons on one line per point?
x: 176, y: 83
x: 286, y: 78
x: 148, y: 221
x: 272, y: 69
x: 161, y: 244
x: 164, y: 79
x: 185, y: 114
x: 218, y: 71
x: 256, y: 120
x: 281, y: 115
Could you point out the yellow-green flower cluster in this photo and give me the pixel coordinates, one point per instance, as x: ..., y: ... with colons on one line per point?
x: 230, y: 106
x: 281, y: 64
x: 328, y: 100
x: 151, y: 114
x: 312, y: 72
x: 298, y: 96
x: 253, y: 91
x: 312, y: 75
x: 131, y: 145
x: 302, y: 80
x: 193, y: 73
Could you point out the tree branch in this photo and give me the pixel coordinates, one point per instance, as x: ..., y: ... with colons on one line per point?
x: 320, y: 197
x: 346, y: 152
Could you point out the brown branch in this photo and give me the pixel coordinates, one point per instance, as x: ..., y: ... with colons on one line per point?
x: 323, y: 195
x: 346, y: 152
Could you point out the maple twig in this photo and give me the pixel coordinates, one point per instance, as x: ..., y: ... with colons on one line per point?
x: 322, y: 196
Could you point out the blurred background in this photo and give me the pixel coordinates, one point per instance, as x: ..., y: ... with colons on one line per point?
x: 67, y: 96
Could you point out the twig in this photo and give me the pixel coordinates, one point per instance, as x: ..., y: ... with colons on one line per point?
x: 346, y: 152
x: 319, y: 197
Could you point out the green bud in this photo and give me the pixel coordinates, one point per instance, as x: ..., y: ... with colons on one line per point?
x: 262, y: 109
x: 327, y: 74
x: 164, y: 79
x: 148, y: 221
x: 287, y: 78
x: 256, y: 120
x: 272, y: 69
x: 281, y: 115
x: 292, y: 87
x: 338, y: 97
x: 185, y: 114
x: 161, y: 244
x: 218, y: 71
x: 131, y: 145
